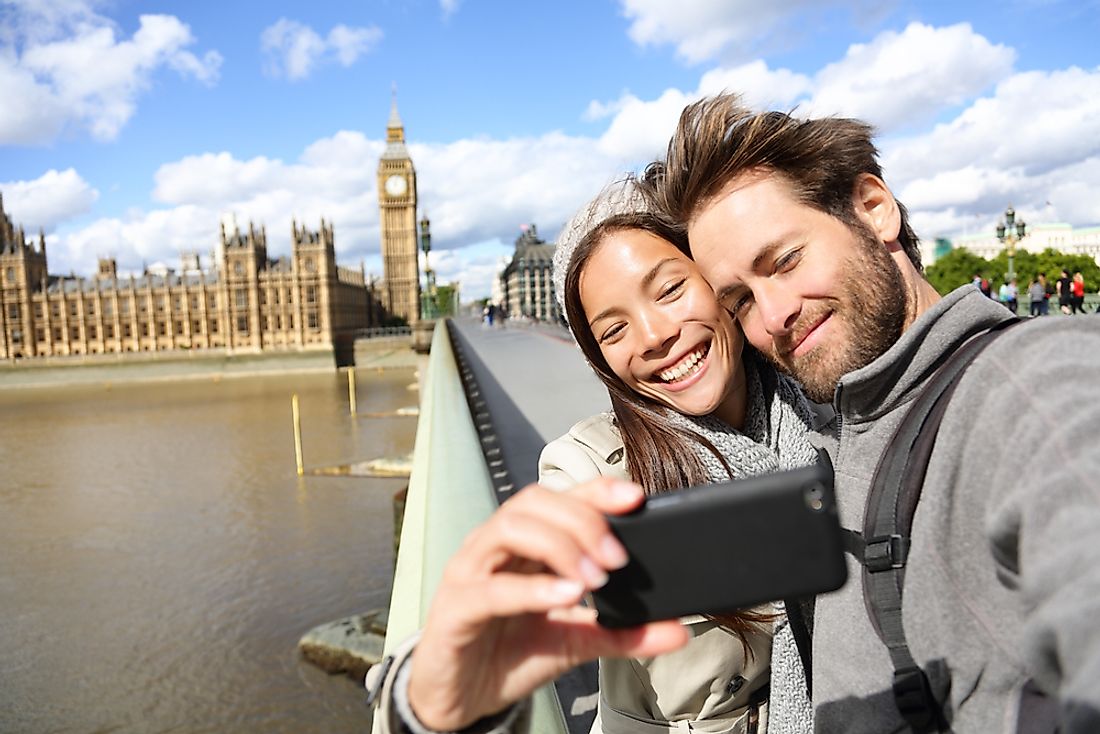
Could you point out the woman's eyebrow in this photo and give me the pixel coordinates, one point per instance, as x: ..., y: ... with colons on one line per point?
x: 647, y: 280
x: 649, y: 277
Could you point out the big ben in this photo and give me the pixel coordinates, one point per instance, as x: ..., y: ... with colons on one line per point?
x: 397, y: 202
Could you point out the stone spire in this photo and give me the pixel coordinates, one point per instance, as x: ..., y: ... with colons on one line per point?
x: 395, y: 133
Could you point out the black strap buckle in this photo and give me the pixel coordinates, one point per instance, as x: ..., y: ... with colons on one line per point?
x: 914, y: 699
x: 885, y: 553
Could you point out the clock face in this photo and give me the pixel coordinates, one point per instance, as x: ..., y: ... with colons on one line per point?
x: 395, y: 185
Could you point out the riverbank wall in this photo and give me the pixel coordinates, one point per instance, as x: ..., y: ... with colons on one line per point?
x: 207, y: 364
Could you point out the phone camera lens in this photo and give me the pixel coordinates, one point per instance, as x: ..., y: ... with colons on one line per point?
x: 815, y: 497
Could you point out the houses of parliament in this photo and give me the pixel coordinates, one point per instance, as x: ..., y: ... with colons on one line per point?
x: 247, y: 302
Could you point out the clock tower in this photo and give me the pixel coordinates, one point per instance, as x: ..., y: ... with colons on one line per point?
x: 397, y: 204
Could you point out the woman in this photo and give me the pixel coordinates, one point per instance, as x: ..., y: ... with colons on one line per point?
x: 1078, y: 286
x: 691, y: 405
x: 691, y: 411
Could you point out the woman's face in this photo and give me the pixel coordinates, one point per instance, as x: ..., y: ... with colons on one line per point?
x: 658, y: 323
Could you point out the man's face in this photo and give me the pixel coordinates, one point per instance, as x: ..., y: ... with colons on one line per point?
x: 817, y: 297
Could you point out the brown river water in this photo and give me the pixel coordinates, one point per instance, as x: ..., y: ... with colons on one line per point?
x: 159, y: 558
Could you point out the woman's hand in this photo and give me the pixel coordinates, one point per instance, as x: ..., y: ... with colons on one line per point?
x: 505, y: 619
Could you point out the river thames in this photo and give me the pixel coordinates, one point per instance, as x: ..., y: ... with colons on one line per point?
x: 159, y: 558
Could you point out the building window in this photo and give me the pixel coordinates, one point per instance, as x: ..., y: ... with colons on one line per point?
x: 72, y: 308
x: 242, y: 324
x: 57, y: 333
x: 195, y: 303
x: 109, y: 331
x: 91, y: 332
x: 214, y: 326
x: 311, y: 266
x: 179, y: 328
x: 162, y: 328
x: 108, y: 308
x: 10, y: 274
x: 55, y: 309
x: 313, y: 322
x: 17, y: 336
x: 74, y: 333
x: 196, y: 327
x: 160, y: 303
x: 124, y: 308
x: 145, y: 329
x: 242, y: 298
x: 89, y: 308
x: 40, y: 334
x: 38, y: 310
x: 290, y: 321
x: 127, y: 332
x: 238, y: 268
x: 311, y: 294
x: 13, y: 312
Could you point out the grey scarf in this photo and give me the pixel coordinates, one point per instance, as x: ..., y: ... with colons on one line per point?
x: 774, y: 438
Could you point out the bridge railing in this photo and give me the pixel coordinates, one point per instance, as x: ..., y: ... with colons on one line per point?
x: 450, y: 492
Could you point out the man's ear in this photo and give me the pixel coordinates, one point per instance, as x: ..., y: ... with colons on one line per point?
x: 877, y: 207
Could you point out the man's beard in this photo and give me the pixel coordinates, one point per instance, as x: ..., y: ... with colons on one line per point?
x: 871, y: 309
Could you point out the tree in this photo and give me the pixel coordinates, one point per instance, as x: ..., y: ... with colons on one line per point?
x: 444, y: 299
x: 959, y: 266
x: 956, y: 268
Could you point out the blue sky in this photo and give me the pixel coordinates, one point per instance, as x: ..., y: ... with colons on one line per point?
x: 132, y: 129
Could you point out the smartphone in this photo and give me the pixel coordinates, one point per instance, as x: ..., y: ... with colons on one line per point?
x: 723, y: 547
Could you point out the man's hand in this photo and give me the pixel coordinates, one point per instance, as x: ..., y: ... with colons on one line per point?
x: 505, y: 619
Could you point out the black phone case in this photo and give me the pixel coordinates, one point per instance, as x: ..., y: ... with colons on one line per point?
x: 723, y: 547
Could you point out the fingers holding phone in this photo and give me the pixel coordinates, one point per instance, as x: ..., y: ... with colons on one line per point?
x: 505, y: 619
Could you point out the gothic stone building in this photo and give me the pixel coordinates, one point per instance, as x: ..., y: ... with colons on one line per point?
x: 397, y: 216
x: 247, y: 303
x: 526, y: 282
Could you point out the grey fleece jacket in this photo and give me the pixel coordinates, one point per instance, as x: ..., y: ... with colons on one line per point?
x: 1003, y: 579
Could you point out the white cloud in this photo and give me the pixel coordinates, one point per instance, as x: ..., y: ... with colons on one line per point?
x: 1036, y: 139
x: 705, y: 29
x: 293, y: 50
x: 903, y: 78
x: 72, y: 70
x: 449, y: 7
x: 49, y: 200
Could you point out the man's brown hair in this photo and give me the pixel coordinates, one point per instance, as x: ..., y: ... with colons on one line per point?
x: 718, y: 139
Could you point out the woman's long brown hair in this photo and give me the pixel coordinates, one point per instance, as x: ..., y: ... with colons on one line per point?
x: 659, y: 455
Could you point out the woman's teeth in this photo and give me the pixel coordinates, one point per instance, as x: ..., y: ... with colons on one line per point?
x: 688, y: 366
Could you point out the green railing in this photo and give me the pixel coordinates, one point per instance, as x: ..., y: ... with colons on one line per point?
x: 450, y: 493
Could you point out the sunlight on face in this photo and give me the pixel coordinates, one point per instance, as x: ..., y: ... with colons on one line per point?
x: 658, y: 323
x: 816, y: 296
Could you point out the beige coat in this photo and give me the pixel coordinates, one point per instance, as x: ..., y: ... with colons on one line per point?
x: 705, y: 686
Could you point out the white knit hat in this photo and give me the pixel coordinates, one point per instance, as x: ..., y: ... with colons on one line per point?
x: 621, y: 197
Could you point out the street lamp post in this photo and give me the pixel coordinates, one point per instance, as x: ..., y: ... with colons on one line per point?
x: 1009, y: 232
x: 427, y: 298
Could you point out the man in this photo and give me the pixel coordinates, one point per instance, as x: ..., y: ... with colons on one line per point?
x: 793, y: 226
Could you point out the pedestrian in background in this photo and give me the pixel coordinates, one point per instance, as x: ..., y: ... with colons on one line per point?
x: 1065, y: 293
x: 1078, y: 285
x: 1009, y: 295
x: 1037, y: 295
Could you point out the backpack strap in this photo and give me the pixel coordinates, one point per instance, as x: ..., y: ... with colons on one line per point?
x: 888, y: 521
